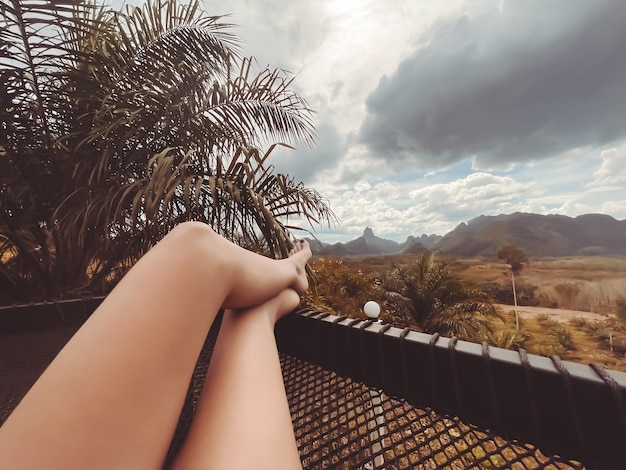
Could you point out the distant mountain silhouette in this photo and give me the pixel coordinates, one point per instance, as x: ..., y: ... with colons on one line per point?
x: 370, y: 244
x: 538, y: 235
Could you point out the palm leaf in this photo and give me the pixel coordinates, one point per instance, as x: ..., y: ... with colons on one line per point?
x: 123, y: 125
x: 437, y: 298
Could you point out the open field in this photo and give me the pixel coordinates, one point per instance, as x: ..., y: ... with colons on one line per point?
x: 573, y: 335
x: 567, y: 305
x: 590, y: 284
x: 572, y: 305
x: 560, y: 315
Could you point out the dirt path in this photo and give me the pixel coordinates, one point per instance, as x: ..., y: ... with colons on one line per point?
x: 557, y: 314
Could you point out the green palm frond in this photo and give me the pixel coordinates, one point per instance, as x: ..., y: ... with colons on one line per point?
x: 437, y: 298
x: 34, y: 49
x: 119, y: 125
x: 266, y: 106
x: 172, y: 133
x: 167, y: 78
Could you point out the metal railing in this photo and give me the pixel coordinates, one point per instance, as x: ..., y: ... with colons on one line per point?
x: 573, y: 410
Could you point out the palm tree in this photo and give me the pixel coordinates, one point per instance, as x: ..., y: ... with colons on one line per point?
x: 515, y: 257
x: 429, y: 292
x: 35, y: 174
x: 117, y: 126
x: 340, y: 288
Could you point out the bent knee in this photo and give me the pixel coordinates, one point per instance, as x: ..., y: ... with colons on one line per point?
x: 200, y: 249
x: 190, y: 237
x: 193, y: 230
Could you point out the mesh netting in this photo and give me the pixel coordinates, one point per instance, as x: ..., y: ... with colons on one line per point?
x: 340, y: 423
x: 23, y: 358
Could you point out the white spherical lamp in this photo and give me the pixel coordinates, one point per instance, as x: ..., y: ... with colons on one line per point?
x: 372, y: 310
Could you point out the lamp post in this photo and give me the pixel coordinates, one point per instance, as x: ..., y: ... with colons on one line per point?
x: 372, y: 310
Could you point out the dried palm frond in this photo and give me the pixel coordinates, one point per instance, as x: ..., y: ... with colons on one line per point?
x: 119, y: 125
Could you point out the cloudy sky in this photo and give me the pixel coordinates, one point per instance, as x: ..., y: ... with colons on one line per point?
x: 432, y: 113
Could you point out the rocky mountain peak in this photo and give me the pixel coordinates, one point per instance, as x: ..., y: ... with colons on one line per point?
x: 539, y: 235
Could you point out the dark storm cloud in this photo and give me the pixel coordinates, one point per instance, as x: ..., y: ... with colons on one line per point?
x: 535, y: 79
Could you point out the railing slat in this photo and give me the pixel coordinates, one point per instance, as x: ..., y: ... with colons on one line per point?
x: 569, y: 409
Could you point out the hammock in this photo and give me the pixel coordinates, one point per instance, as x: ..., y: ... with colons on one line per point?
x: 364, y: 395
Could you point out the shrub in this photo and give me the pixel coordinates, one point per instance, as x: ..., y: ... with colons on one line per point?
x: 503, y: 294
x: 550, y: 349
x: 619, y: 344
x: 578, y: 322
x: 340, y: 288
x: 620, y: 309
x: 429, y: 290
x: 508, y: 339
x: 547, y: 322
x: 599, y: 330
x: 611, y: 334
x: 508, y: 318
x: 567, y: 295
x: 563, y: 337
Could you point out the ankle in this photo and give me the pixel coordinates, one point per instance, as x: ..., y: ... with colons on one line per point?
x: 288, y: 301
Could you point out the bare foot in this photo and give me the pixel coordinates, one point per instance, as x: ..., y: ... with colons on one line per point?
x: 300, y: 254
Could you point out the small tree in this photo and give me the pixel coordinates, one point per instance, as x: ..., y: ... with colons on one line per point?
x: 620, y: 309
x: 515, y: 257
x: 430, y: 292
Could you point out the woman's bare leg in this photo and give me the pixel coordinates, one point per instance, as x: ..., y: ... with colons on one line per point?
x: 112, y: 397
x: 242, y: 420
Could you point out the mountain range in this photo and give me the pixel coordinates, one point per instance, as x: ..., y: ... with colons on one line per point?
x: 539, y: 235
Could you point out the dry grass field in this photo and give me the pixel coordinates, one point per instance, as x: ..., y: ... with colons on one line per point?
x: 590, y: 284
x: 573, y: 305
x: 568, y: 305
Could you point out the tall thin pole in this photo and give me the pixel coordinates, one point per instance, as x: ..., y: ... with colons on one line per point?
x: 515, y: 301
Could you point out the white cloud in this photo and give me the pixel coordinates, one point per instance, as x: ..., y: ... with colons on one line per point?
x: 612, y: 171
x: 478, y: 191
x: 398, y: 209
x: 616, y: 207
x: 512, y: 117
x: 398, y: 205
